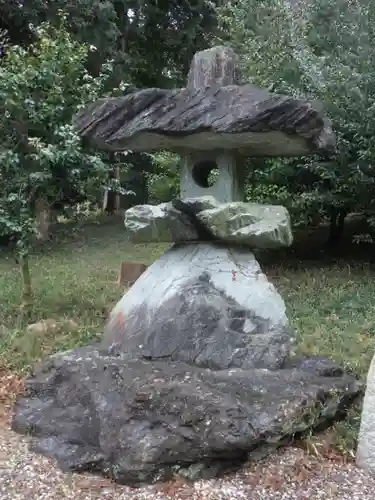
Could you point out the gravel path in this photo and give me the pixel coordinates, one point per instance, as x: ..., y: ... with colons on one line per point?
x: 288, y: 475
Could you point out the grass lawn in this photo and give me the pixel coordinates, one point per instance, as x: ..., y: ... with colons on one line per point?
x: 331, y: 306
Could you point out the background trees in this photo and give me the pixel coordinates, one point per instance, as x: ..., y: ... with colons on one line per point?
x: 322, y: 50
x: 57, y: 56
x: 43, y: 163
x: 151, y: 42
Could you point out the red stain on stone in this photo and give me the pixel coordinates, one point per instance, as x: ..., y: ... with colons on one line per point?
x: 120, y: 319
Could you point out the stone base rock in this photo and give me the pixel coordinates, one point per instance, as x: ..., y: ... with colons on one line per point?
x: 205, y: 304
x: 141, y: 421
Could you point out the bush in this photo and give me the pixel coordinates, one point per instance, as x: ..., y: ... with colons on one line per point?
x: 322, y: 50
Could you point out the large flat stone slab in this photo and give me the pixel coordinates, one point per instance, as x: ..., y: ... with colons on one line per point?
x: 213, y: 113
x: 139, y: 421
x: 244, y: 119
x: 204, y: 304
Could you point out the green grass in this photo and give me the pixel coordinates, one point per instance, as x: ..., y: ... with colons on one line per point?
x: 332, y: 310
x: 76, y: 279
x: 331, y: 306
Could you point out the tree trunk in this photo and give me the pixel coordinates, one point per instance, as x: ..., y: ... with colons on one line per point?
x: 112, y: 200
x: 336, y: 228
x: 26, y: 281
x: 118, y: 196
x: 43, y: 218
x: 109, y: 202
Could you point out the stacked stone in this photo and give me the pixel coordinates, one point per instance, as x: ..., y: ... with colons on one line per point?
x: 194, y: 373
x: 206, y: 300
x: 251, y: 224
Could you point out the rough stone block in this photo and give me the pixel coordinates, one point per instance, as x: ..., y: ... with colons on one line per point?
x: 204, y: 218
x: 158, y: 223
x: 142, y: 421
x: 252, y: 224
x: 204, y: 304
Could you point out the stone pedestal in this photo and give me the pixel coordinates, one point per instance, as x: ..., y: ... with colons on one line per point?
x: 205, y: 303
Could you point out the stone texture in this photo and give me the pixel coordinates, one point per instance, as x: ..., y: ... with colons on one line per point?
x: 366, y: 440
x: 253, y: 224
x: 139, y: 421
x: 204, y: 218
x: 195, y: 168
x: 205, y: 304
x: 210, y: 114
x: 200, y: 203
x: 234, y: 118
x: 216, y: 67
x: 158, y: 223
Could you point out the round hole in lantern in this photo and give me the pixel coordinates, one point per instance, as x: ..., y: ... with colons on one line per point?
x: 205, y: 173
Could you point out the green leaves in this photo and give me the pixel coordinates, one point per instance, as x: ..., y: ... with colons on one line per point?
x: 150, y: 43
x: 322, y: 50
x: 164, y: 182
x: 41, y: 155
